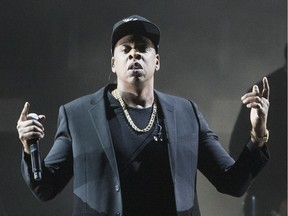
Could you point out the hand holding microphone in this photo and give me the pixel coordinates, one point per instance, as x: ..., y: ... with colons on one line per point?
x: 30, y: 130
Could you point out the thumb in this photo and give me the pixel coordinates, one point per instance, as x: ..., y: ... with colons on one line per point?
x: 24, y: 112
x: 255, y: 89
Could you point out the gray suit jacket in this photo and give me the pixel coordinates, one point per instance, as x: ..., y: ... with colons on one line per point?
x: 83, y: 149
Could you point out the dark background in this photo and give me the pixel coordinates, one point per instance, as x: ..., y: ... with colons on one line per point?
x: 54, y: 51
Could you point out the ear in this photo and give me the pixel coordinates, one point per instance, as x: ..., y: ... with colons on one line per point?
x: 113, y: 65
x: 157, y: 62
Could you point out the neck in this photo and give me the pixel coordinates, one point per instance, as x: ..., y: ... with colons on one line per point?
x: 137, y: 98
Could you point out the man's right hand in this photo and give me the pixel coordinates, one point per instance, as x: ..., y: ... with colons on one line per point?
x: 29, y: 129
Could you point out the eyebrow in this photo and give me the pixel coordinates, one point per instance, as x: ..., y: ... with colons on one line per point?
x: 136, y: 43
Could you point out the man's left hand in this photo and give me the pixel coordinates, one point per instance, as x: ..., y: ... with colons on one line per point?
x: 259, y: 104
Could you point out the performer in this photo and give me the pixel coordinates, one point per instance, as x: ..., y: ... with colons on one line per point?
x: 133, y: 150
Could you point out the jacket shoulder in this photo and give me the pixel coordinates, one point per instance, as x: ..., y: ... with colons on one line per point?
x: 88, y: 99
x: 174, y: 100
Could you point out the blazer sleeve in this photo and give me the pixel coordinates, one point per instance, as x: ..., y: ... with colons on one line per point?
x: 228, y: 176
x: 57, y: 166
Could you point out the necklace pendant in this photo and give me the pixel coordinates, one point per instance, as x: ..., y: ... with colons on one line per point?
x: 155, y: 138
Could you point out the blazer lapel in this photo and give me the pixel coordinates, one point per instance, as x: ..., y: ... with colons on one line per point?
x: 99, y: 119
x: 170, y: 126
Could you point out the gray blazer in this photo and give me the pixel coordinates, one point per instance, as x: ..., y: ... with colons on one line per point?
x: 83, y: 149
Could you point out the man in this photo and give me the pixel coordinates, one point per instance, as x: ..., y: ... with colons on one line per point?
x: 133, y: 150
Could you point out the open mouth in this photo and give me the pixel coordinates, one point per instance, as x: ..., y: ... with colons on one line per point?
x: 135, y: 66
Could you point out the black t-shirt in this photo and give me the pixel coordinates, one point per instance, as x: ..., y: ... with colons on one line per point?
x: 143, y: 163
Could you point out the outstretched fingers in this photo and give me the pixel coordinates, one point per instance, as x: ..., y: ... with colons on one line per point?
x: 24, y: 112
x: 266, y: 88
x: 255, y: 99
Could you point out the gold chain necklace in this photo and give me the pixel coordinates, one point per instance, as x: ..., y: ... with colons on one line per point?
x: 116, y: 94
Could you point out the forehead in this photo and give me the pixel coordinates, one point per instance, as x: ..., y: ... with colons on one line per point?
x: 134, y: 39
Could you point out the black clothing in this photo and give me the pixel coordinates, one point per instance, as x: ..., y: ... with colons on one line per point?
x: 143, y: 163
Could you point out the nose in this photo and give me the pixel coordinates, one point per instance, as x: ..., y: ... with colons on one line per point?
x: 134, y: 54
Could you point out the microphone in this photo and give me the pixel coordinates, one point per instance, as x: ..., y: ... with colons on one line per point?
x: 35, y: 153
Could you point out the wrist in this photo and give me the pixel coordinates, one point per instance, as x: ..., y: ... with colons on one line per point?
x: 259, y: 140
x: 26, y: 149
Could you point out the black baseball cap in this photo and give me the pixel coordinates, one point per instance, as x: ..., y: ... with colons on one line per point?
x: 138, y: 25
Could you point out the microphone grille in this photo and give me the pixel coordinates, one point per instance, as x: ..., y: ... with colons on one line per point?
x: 31, y: 116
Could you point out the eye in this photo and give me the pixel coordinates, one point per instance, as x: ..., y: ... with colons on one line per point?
x: 125, y: 49
x: 143, y: 48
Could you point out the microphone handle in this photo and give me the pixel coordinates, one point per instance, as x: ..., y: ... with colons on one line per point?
x: 36, y: 160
